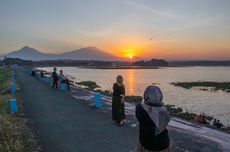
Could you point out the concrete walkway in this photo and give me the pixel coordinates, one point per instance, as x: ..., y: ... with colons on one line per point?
x: 65, y: 124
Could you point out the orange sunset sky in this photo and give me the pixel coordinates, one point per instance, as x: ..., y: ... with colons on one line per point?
x: 173, y: 30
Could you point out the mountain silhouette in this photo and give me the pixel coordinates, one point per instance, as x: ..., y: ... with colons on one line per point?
x: 88, y: 53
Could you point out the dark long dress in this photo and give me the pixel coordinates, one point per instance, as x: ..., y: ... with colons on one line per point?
x: 118, y: 110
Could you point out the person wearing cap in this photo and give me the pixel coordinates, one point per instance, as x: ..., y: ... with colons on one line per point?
x: 118, y: 107
x: 153, y: 119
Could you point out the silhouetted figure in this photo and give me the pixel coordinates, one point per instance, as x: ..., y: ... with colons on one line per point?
x: 55, y: 78
x: 41, y: 74
x: 33, y: 73
x: 118, y: 105
x: 153, y: 119
x: 63, y: 79
x: 214, y: 123
x: 218, y: 124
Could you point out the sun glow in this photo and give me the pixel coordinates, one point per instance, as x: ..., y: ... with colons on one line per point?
x: 130, y: 53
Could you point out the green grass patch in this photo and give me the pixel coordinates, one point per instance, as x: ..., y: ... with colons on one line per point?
x: 133, y: 99
x: 205, y: 85
x: 104, y: 92
x: 90, y: 84
x: 15, y: 136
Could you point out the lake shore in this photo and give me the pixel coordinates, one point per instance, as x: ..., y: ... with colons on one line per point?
x: 205, y: 85
x: 86, y: 98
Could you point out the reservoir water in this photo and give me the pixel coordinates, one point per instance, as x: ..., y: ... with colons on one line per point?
x: 216, y: 103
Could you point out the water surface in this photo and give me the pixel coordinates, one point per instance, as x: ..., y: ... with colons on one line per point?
x: 216, y: 104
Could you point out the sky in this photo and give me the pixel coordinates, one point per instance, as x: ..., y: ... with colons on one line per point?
x: 168, y: 29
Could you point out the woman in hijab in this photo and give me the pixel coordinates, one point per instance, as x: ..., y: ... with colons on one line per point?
x: 118, y: 107
x: 153, y: 119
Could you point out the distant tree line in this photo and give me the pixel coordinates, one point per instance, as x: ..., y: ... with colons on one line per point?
x: 199, y: 63
x: 87, y: 63
x: 8, y: 61
x: 152, y: 62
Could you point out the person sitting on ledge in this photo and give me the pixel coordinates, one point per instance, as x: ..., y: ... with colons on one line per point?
x: 219, y: 124
x: 63, y: 79
x: 33, y: 73
x: 153, y: 119
x: 214, y: 123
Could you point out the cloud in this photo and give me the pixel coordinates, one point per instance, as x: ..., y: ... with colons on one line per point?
x: 151, y: 10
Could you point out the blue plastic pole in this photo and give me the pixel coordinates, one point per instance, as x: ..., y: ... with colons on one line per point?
x: 63, y: 87
x: 97, y: 100
x: 13, y: 106
x: 13, y: 88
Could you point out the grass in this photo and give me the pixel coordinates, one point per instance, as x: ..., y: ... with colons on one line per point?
x: 15, y: 136
x: 104, y: 92
x: 205, y: 85
x: 91, y: 85
x: 133, y: 99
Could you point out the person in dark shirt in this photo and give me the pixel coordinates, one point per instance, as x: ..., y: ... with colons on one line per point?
x: 55, y: 78
x: 118, y: 105
x: 219, y: 124
x: 33, y: 73
x: 153, y: 119
x: 41, y: 74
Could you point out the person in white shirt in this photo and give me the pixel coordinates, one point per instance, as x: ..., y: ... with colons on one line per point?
x: 63, y: 79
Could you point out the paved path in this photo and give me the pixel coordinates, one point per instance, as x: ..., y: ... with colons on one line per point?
x: 65, y: 124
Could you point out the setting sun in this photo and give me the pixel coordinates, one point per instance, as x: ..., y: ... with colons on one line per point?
x: 130, y: 56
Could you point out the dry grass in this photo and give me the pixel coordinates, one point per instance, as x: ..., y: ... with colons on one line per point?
x: 15, y: 136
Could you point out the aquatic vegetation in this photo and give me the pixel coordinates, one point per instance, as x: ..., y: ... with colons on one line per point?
x: 173, y: 109
x: 205, y: 85
x: 104, y: 92
x: 90, y: 84
x: 133, y: 99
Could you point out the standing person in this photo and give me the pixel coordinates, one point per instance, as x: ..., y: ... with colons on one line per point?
x: 118, y: 107
x: 153, y: 119
x: 63, y: 79
x: 41, y: 74
x: 55, y: 78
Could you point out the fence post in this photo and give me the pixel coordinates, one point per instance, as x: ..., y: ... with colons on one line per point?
x: 97, y: 100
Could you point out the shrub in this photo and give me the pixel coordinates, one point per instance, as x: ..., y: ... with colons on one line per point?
x: 134, y: 99
x: 90, y: 84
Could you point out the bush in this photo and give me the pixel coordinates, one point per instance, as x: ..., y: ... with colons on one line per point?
x: 104, y: 92
x: 90, y: 84
x: 186, y: 115
x: 134, y: 99
x: 173, y: 110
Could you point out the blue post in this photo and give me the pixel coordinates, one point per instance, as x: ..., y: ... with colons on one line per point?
x: 63, y: 87
x: 13, y: 88
x: 97, y: 100
x: 13, y: 106
x: 12, y: 73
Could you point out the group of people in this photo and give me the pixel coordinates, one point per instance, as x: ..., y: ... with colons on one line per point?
x: 151, y: 114
x: 216, y: 123
x: 200, y: 119
x: 59, y: 77
x: 55, y: 78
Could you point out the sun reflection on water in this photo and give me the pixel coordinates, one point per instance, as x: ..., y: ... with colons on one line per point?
x: 130, y: 82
